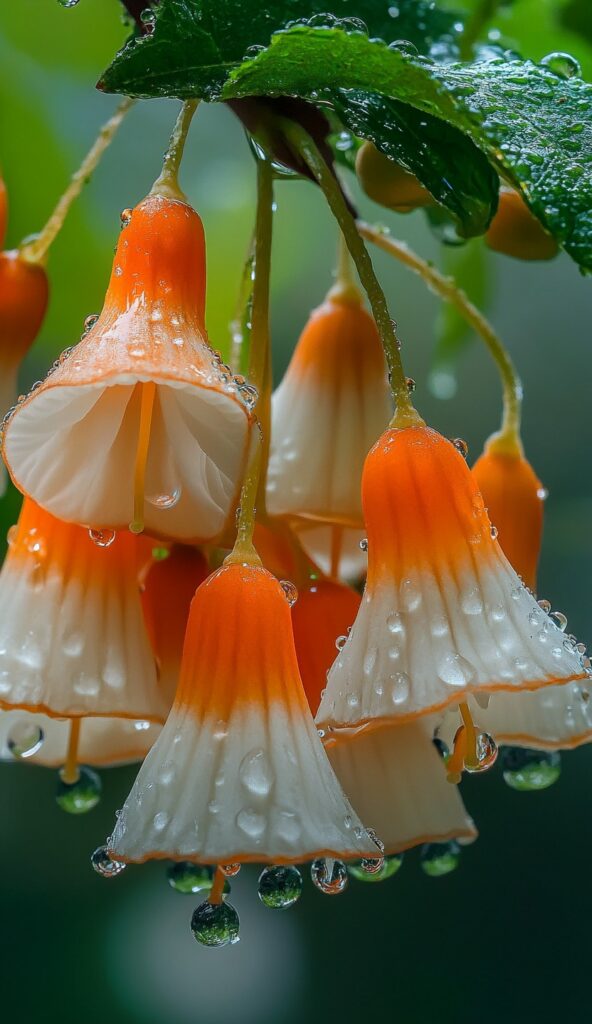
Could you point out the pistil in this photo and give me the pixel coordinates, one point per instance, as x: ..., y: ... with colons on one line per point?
x: 70, y: 772
x: 148, y: 392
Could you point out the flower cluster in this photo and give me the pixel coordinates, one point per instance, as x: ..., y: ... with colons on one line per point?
x: 313, y: 690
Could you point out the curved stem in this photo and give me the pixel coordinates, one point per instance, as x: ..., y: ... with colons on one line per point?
x: 508, y: 438
x: 259, y: 373
x: 35, y: 250
x: 405, y: 413
x: 167, y: 183
x: 240, y: 323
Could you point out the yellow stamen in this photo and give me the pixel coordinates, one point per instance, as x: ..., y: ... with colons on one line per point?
x: 336, y: 546
x: 148, y: 391
x: 456, y: 761
x: 70, y: 772
x: 471, y: 758
x: 218, y: 887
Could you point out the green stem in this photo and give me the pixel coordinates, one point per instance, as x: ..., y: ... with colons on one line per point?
x: 508, y: 438
x: 240, y: 324
x: 345, y: 288
x: 167, y: 183
x: 259, y: 372
x: 405, y: 413
x: 483, y: 13
x: 35, y: 250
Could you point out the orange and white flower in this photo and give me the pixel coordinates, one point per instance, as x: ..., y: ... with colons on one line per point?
x: 139, y: 424
x: 24, y: 292
x: 444, y: 615
x: 72, y: 636
x: 102, y: 742
x: 327, y: 412
x: 321, y: 618
x: 239, y: 772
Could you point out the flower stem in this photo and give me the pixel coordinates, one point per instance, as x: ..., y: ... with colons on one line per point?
x: 35, y: 250
x: 507, y: 440
x: 345, y: 288
x: 405, y: 413
x: 240, y: 323
x: 259, y: 372
x: 167, y: 183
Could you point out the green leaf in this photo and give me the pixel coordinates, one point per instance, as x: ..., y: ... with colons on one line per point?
x: 468, y: 265
x: 534, y: 126
x: 195, y: 44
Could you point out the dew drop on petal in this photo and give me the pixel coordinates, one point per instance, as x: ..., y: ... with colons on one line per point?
x: 24, y: 738
x: 455, y: 670
x: 256, y: 773
x: 487, y: 752
x: 290, y: 591
x: 215, y: 924
x: 164, y: 500
x: 104, y: 865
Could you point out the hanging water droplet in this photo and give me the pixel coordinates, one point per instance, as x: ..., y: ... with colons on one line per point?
x: 329, y: 875
x: 215, y: 924
x: 25, y: 738
x: 542, y: 493
x: 148, y: 19
x: 364, y: 544
x: 544, y: 605
x: 493, y: 532
x: 461, y: 446
x: 80, y: 796
x: 562, y: 64
x: 411, y: 385
x: 165, y: 500
x: 390, y: 866
x: 486, y: 750
x: 280, y: 887
x: 373, y: 865
x: 104, y: 865
x: 102, y: 538
x: 230, y: 870
x: 125, y: 217
x: 438, y: 859
x: 290, y: 591
x: 529, y: 770
x: 185, y: 877
x: 67, y: 3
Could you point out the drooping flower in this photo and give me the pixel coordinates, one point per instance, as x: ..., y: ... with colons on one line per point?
x: 167, y: 592
x: 327, y: 412
x: 102, y: 742
x: 140, y: 423
x: 239, y: 772
x: 393, y: 776
x: 24, y: 292
x: 72, y: 637
x: 513, y: 496
x: 444, y: 615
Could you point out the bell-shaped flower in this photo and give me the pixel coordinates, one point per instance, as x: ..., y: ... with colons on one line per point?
x: 327, y: 412
x: 102, y: 742
x: 393, y: 776
x: 140, y: 423
x: 72, y: 637
x: 444, y: 615
x: 339, y: 551
x: 239, y: 772
x: 167, y: 592
x: 513, y: 496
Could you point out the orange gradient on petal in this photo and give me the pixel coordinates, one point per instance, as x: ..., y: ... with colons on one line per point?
x: 340, y: 347
x: 324, y: 611
x: 421, y: 504
x: 514, y: 496
x: 24, y: 293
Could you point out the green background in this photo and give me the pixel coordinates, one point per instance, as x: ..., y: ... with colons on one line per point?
x: 506, y: 936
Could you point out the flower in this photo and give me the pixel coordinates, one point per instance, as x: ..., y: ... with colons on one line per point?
x: 396, y: 782
x: 168, y: 590
x: 239, y: 772
x: 72, y: 637
x: 321, y: 617
x: 327, y: 412
x: 513, y: 496
x: 140, y: 423
x: 102, y: 742
x: 444, y: 615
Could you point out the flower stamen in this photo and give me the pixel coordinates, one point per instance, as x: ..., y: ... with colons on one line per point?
x: 471, y: 756
x: 456, y: 761
x: 70, y: 772
x: 148, y: 392
x: 217, y: 889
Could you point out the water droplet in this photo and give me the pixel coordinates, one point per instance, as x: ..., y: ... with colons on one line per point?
x: 280, y: 887
x: 562, y: 64
x: 25, y: 738
x: 487, y: 751
x: 329, y: 875
x: 401, y: 685
x: 230, y: 870
x: 441, y: 747
x: 394, y: 623
x: 372, y: 865
x: 544, y: 605
x: 472, y: 602
x: 364, y: 544
x: 104, y: 865
x: 340, y: 642
x: 389, y: 868
x: 461, y: 446
x: 493, y: 532
x: 455, y: 670
x: 411, y: 385
x: 185, y: 877
x: 290, y: 591
x: 80, y: 796
x: 256, y: 773
x: 165, y: 500
x: 410, y: 594
x: 542, y: 494
x: 67, y: 3
x: 529, y: 770
x: 220, y: 730
x: 404, y: 47
x: 215, y: 924
x: 439, y: 859
x: 160, y: 820
x: 559, y: 619
x: 125, y: 217
x: 102, y: 538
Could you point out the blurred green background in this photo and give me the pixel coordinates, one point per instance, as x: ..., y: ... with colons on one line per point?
x: 507, y: 936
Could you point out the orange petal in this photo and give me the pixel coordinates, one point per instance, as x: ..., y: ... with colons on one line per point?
x: 329, y: 409
x: 72, y: 637
x: 24, y: 292
x: 72, y: 444
x: 324, y: 611
x: 239, y: 772
x: 444, y: 614
x: 513, y: 495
